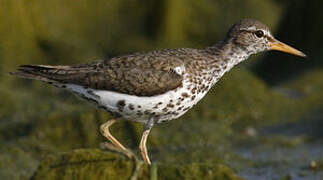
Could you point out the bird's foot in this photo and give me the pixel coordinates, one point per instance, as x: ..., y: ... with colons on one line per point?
x: 137, y: 168
x: 111, y: 147
x: 138, y: 163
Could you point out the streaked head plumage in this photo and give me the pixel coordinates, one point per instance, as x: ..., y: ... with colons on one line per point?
x: 253, y: 36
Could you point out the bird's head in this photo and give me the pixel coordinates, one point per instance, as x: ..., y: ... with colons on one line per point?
x: 253, y: 37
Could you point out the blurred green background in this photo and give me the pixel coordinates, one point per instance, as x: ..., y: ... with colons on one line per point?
x: 269, y: 102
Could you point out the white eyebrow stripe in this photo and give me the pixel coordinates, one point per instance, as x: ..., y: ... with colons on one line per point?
x: 254, y: 29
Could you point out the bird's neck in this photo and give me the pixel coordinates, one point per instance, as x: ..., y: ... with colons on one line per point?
x: 225, y: 56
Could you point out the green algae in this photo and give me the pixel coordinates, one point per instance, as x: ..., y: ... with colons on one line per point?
x: 97, y: 164
x: 88, y: 164
x: 197, y: 171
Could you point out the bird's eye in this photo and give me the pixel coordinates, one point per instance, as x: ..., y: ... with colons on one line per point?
x: 259, y: 33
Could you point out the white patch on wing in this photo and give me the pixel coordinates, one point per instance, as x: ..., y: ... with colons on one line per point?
x: 179, y: 69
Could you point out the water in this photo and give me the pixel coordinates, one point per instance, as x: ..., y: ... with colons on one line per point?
x: 283, y: 152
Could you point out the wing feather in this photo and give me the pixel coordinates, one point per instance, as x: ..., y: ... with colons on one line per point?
x: 140, y: 75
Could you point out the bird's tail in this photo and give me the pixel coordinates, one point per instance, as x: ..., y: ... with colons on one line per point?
x: 41, y: 72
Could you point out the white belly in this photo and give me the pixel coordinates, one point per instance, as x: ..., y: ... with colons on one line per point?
x: 161, y: 108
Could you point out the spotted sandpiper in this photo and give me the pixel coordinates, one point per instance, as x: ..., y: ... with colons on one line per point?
x: 157, y: 86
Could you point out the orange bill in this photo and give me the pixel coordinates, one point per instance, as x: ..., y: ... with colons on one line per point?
x: 279, y: 46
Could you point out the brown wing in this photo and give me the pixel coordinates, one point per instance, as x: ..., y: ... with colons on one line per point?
x: 136, y: 75
x: 134, y: 81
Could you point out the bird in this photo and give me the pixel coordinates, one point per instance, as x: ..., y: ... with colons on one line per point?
x: 156, y: 86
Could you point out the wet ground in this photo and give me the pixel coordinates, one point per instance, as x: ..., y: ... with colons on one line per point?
x: 291, y: 151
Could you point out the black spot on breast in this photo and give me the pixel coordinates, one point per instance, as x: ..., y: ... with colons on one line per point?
x: 170, y: 105
x: 175, y: 113
x: 185, y: 95
x: 164, y: 120
x: 193, y: 90
x: 131, y: 107
x: 121, y: 103
x: 147, y: 112
x: 216, y: 71
x: 139, y: 113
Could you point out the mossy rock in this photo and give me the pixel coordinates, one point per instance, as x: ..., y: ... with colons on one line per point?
x: 86, y: 164
x: 97, y: 164
x: 196, y: 171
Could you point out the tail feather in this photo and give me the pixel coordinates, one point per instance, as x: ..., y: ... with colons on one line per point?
x: 31, y: 76
x: 40, y: 72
